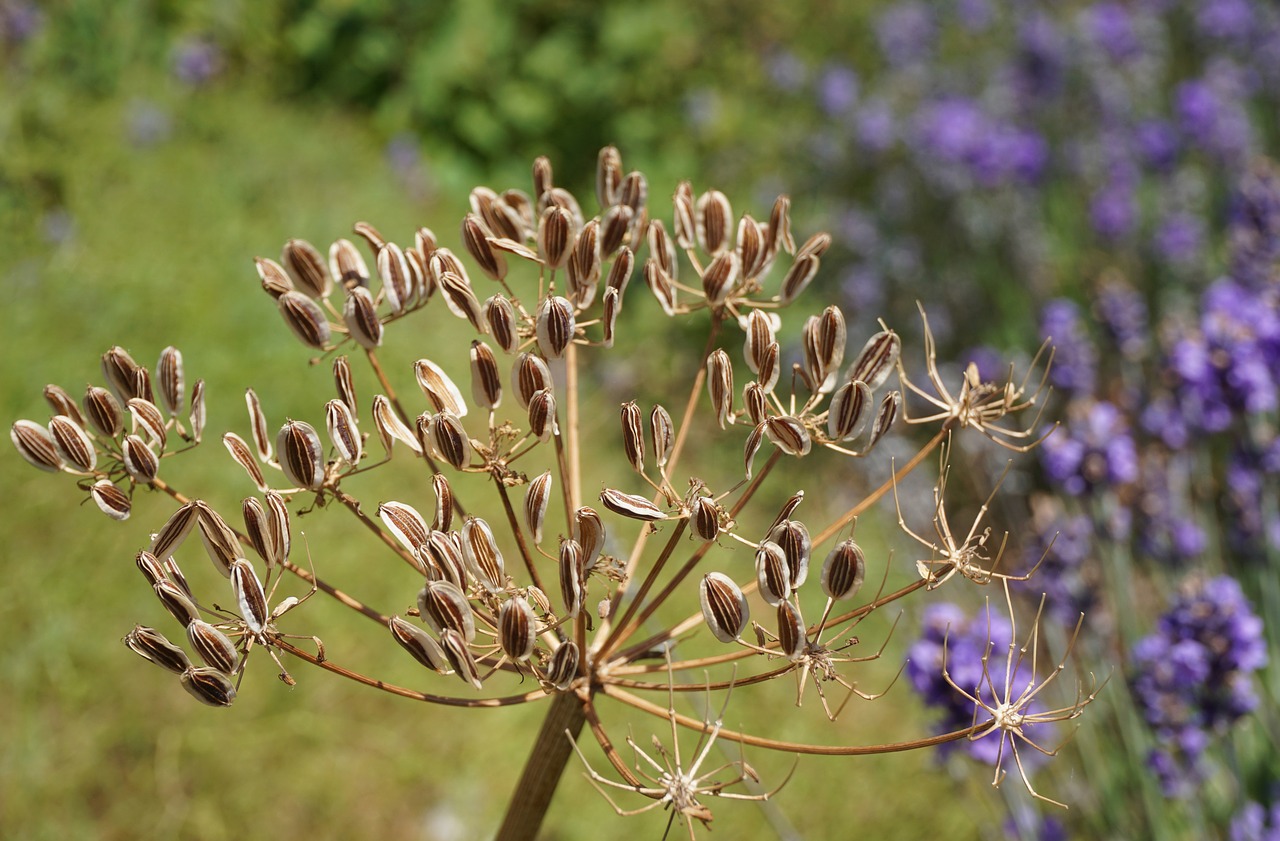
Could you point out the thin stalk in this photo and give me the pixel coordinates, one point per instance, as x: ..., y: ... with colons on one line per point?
x: 353, y: 505
x: 514, y: 522
x: 625, y: 626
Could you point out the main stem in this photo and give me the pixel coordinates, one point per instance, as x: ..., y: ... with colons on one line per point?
x: 542, y: 771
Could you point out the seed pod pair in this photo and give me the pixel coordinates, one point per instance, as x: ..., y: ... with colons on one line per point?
x: 484, y: 559
x: 420, y: 644
x: 301, y: 455
x: 723, y: 606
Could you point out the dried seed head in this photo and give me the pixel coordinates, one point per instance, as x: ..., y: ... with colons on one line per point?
x: 140, y: 462
x: 529, y: 375
x: 877, y: 359
x: 620, y: 272
x: 175, y: 530
x: 169, y: 378
x: 62, y: 404
x: 849, y: 411
x: 588, y: 531
x: 275, y: 280
x: 486, y: 384
x: 347, y: 265
x: 584, y: 267
x: 111, y: 500
x: 555, y: 236
x: 150, y: 567
x: 542, y: 179
x: 390, y: 427
x: 444, y: 558
x: 251, y: 601
x: 501, y: 317
x: 213, y: 646
x: 460, y: 297
x: 818, y: 370
x: 791, y: 638
x: 125, y: 377
x: 756, y: 400
x: 611, y: 306
x: 608, y: 176
x: 542, y: 415
x: 421, y: 286
x: 484, y: 559
x: 663, y: 434
x: 615, y: 225
x: 278, y: 519
x: 705, y: 518
x: 752, y: 446
x: 661, y: 286
x: 798, y: 277
x: 444, y: 606
x: 475, y: 236
x: 103, y: 412
x: 420, y: 644
x: 361, y: 317
x: 663, y: 250
x: 209, y: 686
x: 35, y: 444
x: 562, y: 670
x: 449, y: 439
x: 198, y: 415
x: 341, y: 425
x: 683, y: 224
x: 773, y: 574
x: 793, y: 538
x: 444, y: 502
x: 633, y: 435
x: 517, y: 628
x: 72, y: 443
x: 424, y: 240
x: 305, y: 318
x: 573, y: 575
x: 720, y: 384
x: 630, y: 505
x: 146, y: 416
x: 406, y: 524
x: 176, y: 601
x: 788, y: 508
x: 714, y: 218
x: 844, y: 570
x: 770, y: 367
x: 440, y: 390
x: 344, y: 383
x: 723, y: 606
x: 634, y: 193
x: 885, y: 417
x: 301, y: 455
x: 257, y: 527
x: 779, y: 228
x: 220, y: 541
x: 307, y: 268
x: 151, y: 644
x: 760, y: 328
x: 460, y: 657
x: 752, y: 247
x: 536, y: 499
x: 816, y: 245
x: 720, y: 278
x: 788, y: 435
x: 258, y: 425
x: 554, y: 326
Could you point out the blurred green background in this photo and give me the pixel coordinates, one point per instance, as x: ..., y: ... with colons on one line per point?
x: 150, y: 151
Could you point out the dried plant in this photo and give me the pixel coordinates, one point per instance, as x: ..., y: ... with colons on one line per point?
x: 528, y: 578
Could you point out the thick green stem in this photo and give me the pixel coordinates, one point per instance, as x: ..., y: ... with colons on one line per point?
x: 542, y: 771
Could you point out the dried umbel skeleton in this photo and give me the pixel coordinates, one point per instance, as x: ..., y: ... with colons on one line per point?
x: 531, y: 577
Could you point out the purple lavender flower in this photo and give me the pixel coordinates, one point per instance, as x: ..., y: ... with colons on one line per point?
x: 1111, y: 27
x: 1166, y: 530
x: 906, y: 32
x: 20, y: 20
x: 1163, y: 417
x: 1254, y: 229
x: 1113, y: 210
x: 196, y: 61
x: 1042, y: 61
x: 1157, y: 144
x: 837, y: 89
x: 1122, y: 313
x: 1193, y: 676
x: 1251, y: 525
x: 1255, y: 823
x: 1180, y: 238
x: 874, y: 125
x: 1062, y: 546
x: 975, y: 15
x: 1226, y: 19
x: 1094, y: 451
x: 1212, y: 119
x: 1075, y: 360
x: 785, y: 70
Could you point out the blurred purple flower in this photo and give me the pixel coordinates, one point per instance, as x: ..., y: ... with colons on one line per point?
x: 1092, y: 452
x: 975, y: 15
x: 20, y: 20
x: 1075, y: 360
x: 875, y: 126
x: 146, y: 123
x: 1110, y: 26
x: 1062, y: 545
x: 196, y: 61
x: 785, y: 70
x: 1040, y: 67
x: 837, y: 89
x: 1254, y: 229
x: 1255, y: 823
x: 1157, y: 144
x: 1114, y: 210
x: 1122, y: 312
x: 906, y: 32
x: 1180, y: 238
x: 1227, y: 19
x: 1212, y: 120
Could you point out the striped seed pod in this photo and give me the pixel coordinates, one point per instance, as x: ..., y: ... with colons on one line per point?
x: 542, y: 180
x: 756, y: 400
x: 486, y: 384
x: 536, y: 498
x: 633, y: 435
x: 475, y: 236
x: 885, y: 417
x: 458, y: 294
x: 391, y: 428
x: 484, y: 559
x: 176, y: 601
x: 615, y: 224
x: 209, y: 686
x: 424, y: 241
x: 760, y: 328
x: 529, y: 374
x: 684, y: 227
x: 517, y: 628
x: 849, y: 411
x: 347, y: 265
x: 444, y: 558
x: 146, y: 416
x: 631, y: 506
x: 608, y: 176
x: 199, y: 414
x: 563, y: 667
x: 815, y: 245
x: 305, y: 318
x: 779, y: 227
x: 361, y: 317
x: 444, y: 606
x: 791, y: 638
x: 420, y: 283
x: 752, y: 251
x: 555, y: 236
x: 773, y: 574
x: 662, y: 249
x: 258, y: 425
x: 877, y: 359
x: 449, y: 439
x: 588, y: 531
x: 788, y: 435
x: 573, y: 576
x: 788, y: 508
x: 501, y: 317
x: 620, y: 272
x: 770, y: 367
x: 73, y: 444
x: 663, y: 433
x: 443, y: 519
x: 275, y: 280
x: 125, y: 377
x: 661, y: 286
x: 420, y: 644
x: 307, y: 268
x: 554, y: 326
x: 705, y: 518
x: 301, y: 455
x: 720, y: 278
x: 713, y: 217
x: 723, y: 606
x: 140, y: 461
x: 341, y: 426
x: 542, y: 415
x: 440, y: 390
x: 175, y: 530
x: 257, y: 527
x: 111, y: 500
x: 844, y: 570
x: 584, y: 266
x: 406, y: 525
x: 102, y: 411
x: 35, y: 444
x: 344, y: 383
x: 62, y: 403
x: 221, y: 543
x: 798, y: 277
x: 213, y: 646
x: 251, y: 601
x: 169, y: 379
x: 752, y: 446
x: 152, y: 645
x: 611, y: 305
x: 278, y: 520
x: 634, y: 193
x: 720, y: 385
x: 793, y: 538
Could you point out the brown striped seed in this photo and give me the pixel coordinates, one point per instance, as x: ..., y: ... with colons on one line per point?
x: 125, y: 377
x: 440, y: 390
x: 444, y: 558
x: 773, y: 573
x: 791, y: 638
x: 816, y: 245
x: 341, y: 425
x: 516, y: 247
x: 501, y: 317
x: 421, y: 286
x: 152, y: 645
x: 584, y: 266
x: 347, y: 265
x: 714, y: 219
x: 140, y: 462
x: 662, y: 249
x: 610, y: 307
x: 460, y: 297
x: 770, y: 367
x: 542, y: 415
x: 444, y: 606
x: 420, y: 644
x: 102, y: 411
x: 213, y: 646
x: 209, y: 686
x: 720, y: 278
x: 529, y: 375
x: 705, y: 518
x: 146, y: 416
x: 484, y: 559
x: 723, y: 606
x: 219, y: 539
x: 792, y: 536
x: 199, y: 414
x: 251, y: 601
x: 258, y: 425
x: 542, y: 179
x: 663, y: 434
x: 661, y: 286
x: 844, y: 570
x: 798, y: 277
x: 517, y: 628
x: 630, y: 505
x: 361, y: 317
x: 555, y: 236
x: 301, y: 455
x: 633, y: 435
x: 307, y: 268
x: 562, y: 670
x: 562, y: 198
x: 877, y: 359
x: 608, y: 176
x: 449, y: 439
x: 522, y: 208
x: 634, y: 193
x: 684, y: 226
x: 756, y: 400
x: 486, y: 384
x: 278, y: 519
x: 588, y: 531
x: 244, y: 457
x: 885, y: 417
x: 554, y: 326
x: 443, y: 519
x: 257, y: 527
x: 72, y: 443
x: 169, y: 379
x: 390, y: 427
x: 752, y: 251
x: 460, y: 657
x: 849, y: 411
x: 752, y: 446
x: 620, y: 272
x: 720, y: 385
x: 475, y: 236
x: 175, y: 530
x: 110, y: 500
x: 424, y: 240
x: 779, y: 227
x: 536, y: 499
x: 344, y: 383
x: 177, y: 602
x: 788, y: 435
x: 150, y: 567
x: 275, y: 281
x: 760, y: 328
x: 573, y: 575
x: 35, y: 444
x: 406, y: 524
x: 305, y: 318
x: 788, y: 508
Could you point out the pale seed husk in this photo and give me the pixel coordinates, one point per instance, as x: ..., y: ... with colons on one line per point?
x: 449, y: 439
x: 542, y: 415
x: 305, y: 318
x: 444, y: 558
x: 530, y: 375
x: 756, y: 400
x: 301, y: 455
x: 791, y: 638
x: 663, y: 250
x: 152, y: 645
x: 393, y: 271
x: 752, y: 446
x: 344, y: 383
x: 554, y: 326
x: 562, y: 670
x: 562, y: 198
x: 213, y: 646
x: 573, y: 575
x: 798, y: 277
x: 275, y: 280
x: 723, y: 606
x: 536, y: 498
x: 543, y: 181
x: 176, y: 601
x: 788, y: 435
x: 347, y: 265
x: 111, y: 500
x: 770, y: 367
x: 244, y: 457
x: 125, y: 377
x: 522, y: 208
x: 278, y: 519
x: 519, y: 249
x: 390, y: 427
x: 484, y: 559
x: 760, y: 329
x: 209, y: 686
x: 424, y: 240
x: 475, y: 236
x: 620, y: 272
x: 877, y: 359
x: 150, y: 567
x: 147, y: 417
x: 751, y: 248
x: 555, y: 236
x: 251, y: 601
x: 611, y: 306
x: 440, y: 390
x: 714, y: 218
x: 307, y: 268
x: 372, y: 236
x: 849, y: 411
x: 170, y: 380
x: 631, y: 506
x: 420, y: 644
x: 720, y: 278
x: 608, y: 176
x: 461, y: 299
x: 257, y: 527
x: 346, y: 438
x: 73, y: 444
x: 220, y: 541
x: 406, y: 524
x: 443, y: 520
x: 684, y: 227
x: 421, y: 286
x: 815, y: 246
x: 663, y: 434
x: 720, y: 385
x: 486, y: 383
x: 634, y: 193
x: 844, y: 570
x: 199, y: 414
x: 35, y: 444
x: 792, y: 536
x: 633, y: 435
x: 588, y: 531
x: 501, y: 317
x: 103, y: 412
x: 175, y: 530
x: 62, y: 403
x: 584, y: 266
x: 773, y: 575
x: 517, y: 628
x: 661, y: 286
x: 705, y: 518
x: 361, y: 318
x: 615, y: 225
x: 779, y: 227
x: 140, y: 462
x: 885, y: 417
x: 444, y: 607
